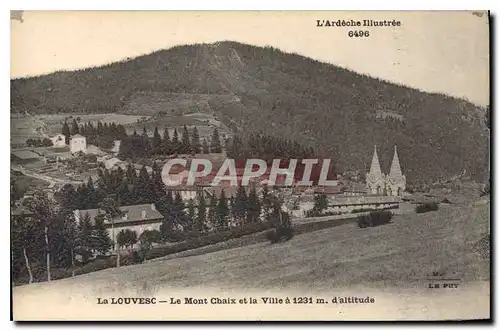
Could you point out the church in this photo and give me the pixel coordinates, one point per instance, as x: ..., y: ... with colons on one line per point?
x: 378, y: 183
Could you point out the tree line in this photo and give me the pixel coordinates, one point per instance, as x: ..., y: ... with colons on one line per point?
x: 183, y: 142
x: 101, y: 135
x: 267, y: 147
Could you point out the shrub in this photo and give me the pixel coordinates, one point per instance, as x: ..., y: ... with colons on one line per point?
x: 425, y: 207
x: 380, y: 217
x: 97, y: 265
x: 375, y: 218
x: 280, y: 233
x: 364, y: 221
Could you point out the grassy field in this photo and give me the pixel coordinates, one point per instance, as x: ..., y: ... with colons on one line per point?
x: 26, y: 183
x: 38, y: 126
x: 24, y: 127
x: 397, y: 257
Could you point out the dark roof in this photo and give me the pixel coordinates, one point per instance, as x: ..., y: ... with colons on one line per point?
x: 132, y: 213
x: 25, y: 154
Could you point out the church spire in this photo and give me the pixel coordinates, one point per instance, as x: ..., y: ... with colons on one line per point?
x: 375, y: 167
x: 395, y: 171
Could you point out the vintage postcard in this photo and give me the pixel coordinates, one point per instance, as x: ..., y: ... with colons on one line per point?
x: 250, y: 165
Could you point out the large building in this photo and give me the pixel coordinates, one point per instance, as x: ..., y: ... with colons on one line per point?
x: 378, y: 183
x: 137, y: 218
x: 78, y: 143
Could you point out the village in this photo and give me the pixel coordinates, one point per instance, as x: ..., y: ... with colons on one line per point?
x: 72, y: 160
x: 104, y: 189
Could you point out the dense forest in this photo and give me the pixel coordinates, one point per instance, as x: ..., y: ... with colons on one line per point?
x: 331, y: 108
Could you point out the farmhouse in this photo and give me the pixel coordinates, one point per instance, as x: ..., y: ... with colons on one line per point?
x: 137, y: 218
x: 59, y: 140
x: 78, y: 143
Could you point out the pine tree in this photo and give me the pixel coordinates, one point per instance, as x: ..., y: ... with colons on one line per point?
x: 202, y: 215
x: 74, y: 127
x: 175, y: 142
x: 123, y: 195
x: 178, y: 202
x: 222, y: 211
x: 166, y: 145
x: 205, y: 148
x: 266, y: 202
x: 83, y: 238
x: 186, y: 141
x: 159, y: 185
x: 169, y: 199
x: 131, y: 174
x: 67, y: 198
x: 144, y: 189
x: 240, y: 205
x: 191, y: 214
x: 156, y: 141
x: 215, y: 144
x: 212, y: 213
x: 254, y: 206
x: 195, y: 141
x: 66, y: 132
x: 101, y: 242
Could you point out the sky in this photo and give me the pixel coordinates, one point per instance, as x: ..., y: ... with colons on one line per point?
x: 446, y: 52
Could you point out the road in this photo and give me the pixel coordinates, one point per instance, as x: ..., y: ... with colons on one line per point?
x: 51, y: 180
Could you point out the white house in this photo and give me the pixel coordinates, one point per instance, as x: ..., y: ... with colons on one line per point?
x: 59, y: 140
x: 78, y: 143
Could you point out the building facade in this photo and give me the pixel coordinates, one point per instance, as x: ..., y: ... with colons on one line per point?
x: 137, y: 218
x: 78, y: 143
x: 59, y: 140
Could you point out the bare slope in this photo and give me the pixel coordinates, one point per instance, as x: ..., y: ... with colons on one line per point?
x: 335, y: 109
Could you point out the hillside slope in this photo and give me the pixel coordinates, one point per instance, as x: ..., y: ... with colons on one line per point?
x: 344, y: 259
x: 342, y: 113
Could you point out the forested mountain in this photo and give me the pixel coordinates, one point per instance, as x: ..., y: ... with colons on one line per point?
x: 254, y: 89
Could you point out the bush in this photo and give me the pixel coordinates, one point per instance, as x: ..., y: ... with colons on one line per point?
x: 280, y: 233
x: 130, y: 258
x: 375, y: 218
x: 425, y: 207
x: 364, y: 221
x: 97, y: 265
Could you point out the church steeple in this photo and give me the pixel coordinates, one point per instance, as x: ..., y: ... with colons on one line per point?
x: 395, y: 171
x: 375, y: 167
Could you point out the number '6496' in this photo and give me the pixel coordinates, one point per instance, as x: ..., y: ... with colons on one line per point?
x: 358, y: 33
